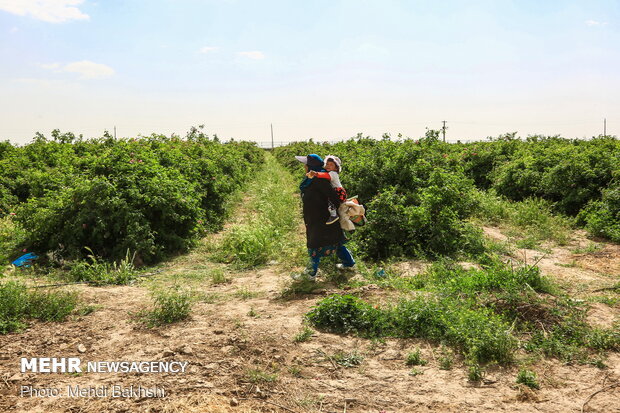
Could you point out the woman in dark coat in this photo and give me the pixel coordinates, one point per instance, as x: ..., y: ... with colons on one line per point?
x: 322, y: 240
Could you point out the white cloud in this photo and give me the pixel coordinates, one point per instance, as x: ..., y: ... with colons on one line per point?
x: 89, y: 70
x: 53, y: 11
x: 208, y: 49
x: 13, y: 30
x: 256, y: 55
x: 595, y: 23
x: 85, y: 68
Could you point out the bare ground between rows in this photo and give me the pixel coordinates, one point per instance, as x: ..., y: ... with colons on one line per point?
x: 584, y: 275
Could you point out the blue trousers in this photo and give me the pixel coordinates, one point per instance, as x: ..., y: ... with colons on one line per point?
x: 317, y: 253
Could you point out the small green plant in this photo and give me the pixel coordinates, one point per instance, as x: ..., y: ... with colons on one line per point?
x: 304, y: 335
x: 599, y: 363
x: 347, y: 314
x: 87, y: 309
x: 527, y: 378
x: 170, y: 307
x: 604, y: 338
x: 99, y: 272
x: 310, y: 402
x: 51, y: 305
x: 295, y: 371
x: 253, y: 313
x: 446, y: 359
x: 258, y: 376
x: 218, y: 276
x: 415, y: 359
x: 610, y: 301
x: 245, y: 293
x: 415, y: 372
x: 351, y: 359
x: 475, y: 372
x: 479, y: 333
x: 528, y: 243
x: 238, y: 324
x: 571, y: 264
x: 12, y: 236
x: 588, y: 249
x: 209, y: 298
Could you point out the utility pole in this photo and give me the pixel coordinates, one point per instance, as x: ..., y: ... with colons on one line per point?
x: 605, y: 127
x: 272, y: 136
x: 114, y: 132
x: 443, y: 130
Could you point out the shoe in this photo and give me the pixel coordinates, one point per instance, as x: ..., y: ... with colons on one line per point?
x: 302, y: 276
x: 341, y: 267
x: 332, y: 219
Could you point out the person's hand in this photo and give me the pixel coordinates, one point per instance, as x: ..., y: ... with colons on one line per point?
x: 311, y: 174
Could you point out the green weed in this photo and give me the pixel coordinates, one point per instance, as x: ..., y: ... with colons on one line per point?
x: 480, y: 333
x: 99, y: 272
x: 528, y: 378
x: 295, y: 371
x: 12, y: 238
x: 301, y: 287
x: 350, y: 359
x: 530, y: 220
x: 218, y: 276
x: 258, y: 376
x: 588, y: 249
x: 446, y: 359
x: 169, y: 307
x: 304, y: 335
x: 18, y: 304
x: 415, y: 359
x: 475, y: 373
x: 245, y: 293
x: 252, y: 313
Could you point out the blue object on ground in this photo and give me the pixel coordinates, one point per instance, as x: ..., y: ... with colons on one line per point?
x: 25, y: 260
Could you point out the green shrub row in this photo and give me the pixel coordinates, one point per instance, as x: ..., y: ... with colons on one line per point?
x: 419, y: 193
x: 152, y: 195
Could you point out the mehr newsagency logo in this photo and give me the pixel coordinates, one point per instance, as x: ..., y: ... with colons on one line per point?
x: 77, y: 366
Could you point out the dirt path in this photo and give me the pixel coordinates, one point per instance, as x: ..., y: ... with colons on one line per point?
x: 226, y: 341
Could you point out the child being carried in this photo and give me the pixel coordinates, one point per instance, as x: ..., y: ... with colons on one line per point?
x: 333, y: 166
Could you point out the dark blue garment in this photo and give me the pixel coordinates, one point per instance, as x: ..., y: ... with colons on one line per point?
x: 25, y: 260
x: 317, y: 253
x: 315, y: 163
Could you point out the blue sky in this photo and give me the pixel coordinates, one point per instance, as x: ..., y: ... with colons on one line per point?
x: 319, y: 69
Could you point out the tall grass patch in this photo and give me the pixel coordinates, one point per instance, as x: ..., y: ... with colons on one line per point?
x: 18, y: 304
x: 479, y: 334
x: 270, y: 215
x: 486, y: 314
x: 531, y: 220
x: 99, y: 272
x: 168, y: 307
